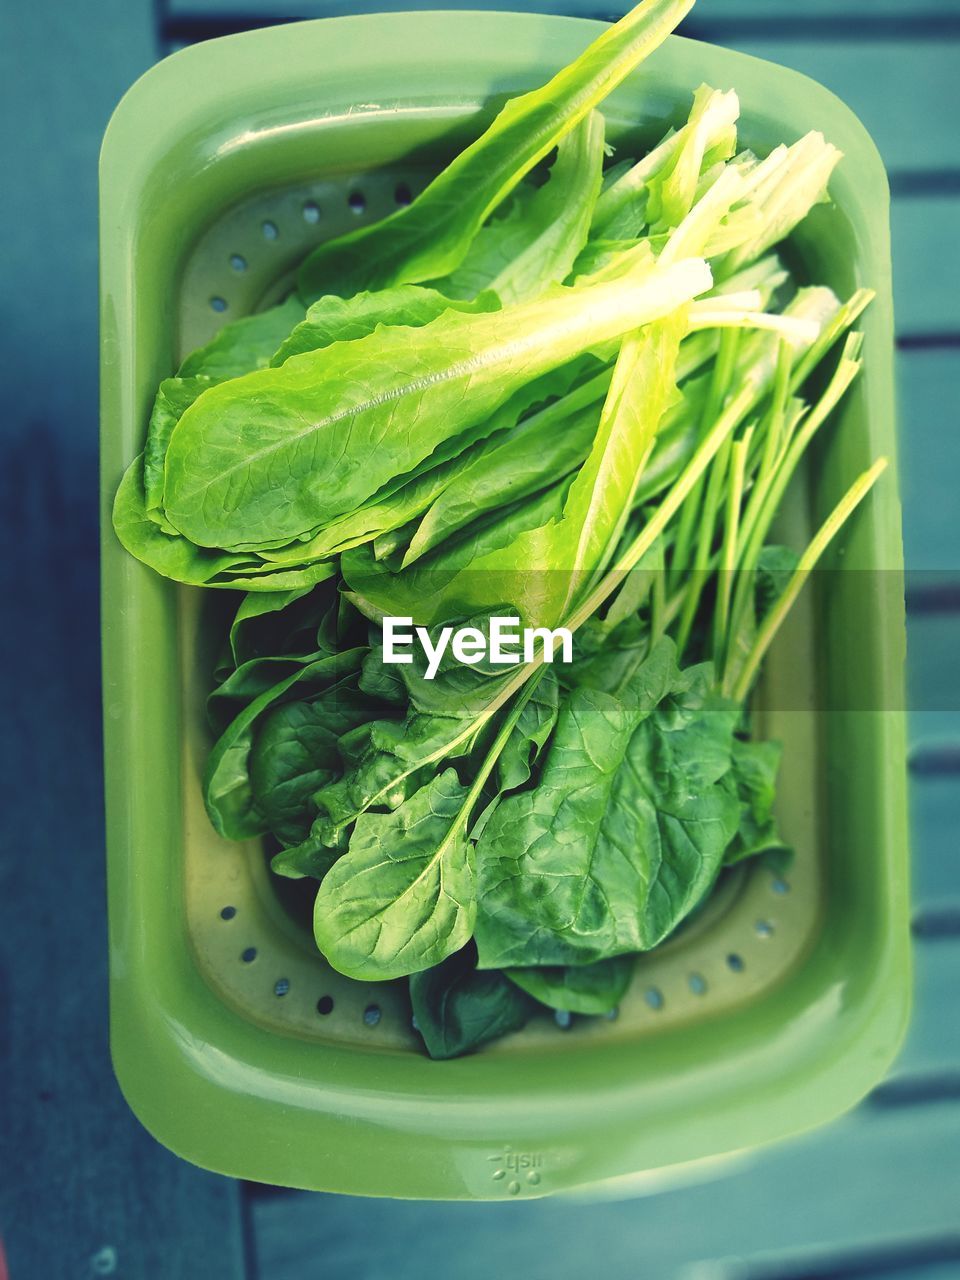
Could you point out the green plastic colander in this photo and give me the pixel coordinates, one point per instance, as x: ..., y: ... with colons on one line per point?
x: 233, y: 1041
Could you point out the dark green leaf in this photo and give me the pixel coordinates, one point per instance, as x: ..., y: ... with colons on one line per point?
x: 590, y: 988
x: 754, y: 779
x: 624, y: 833
x: 457, y: 1008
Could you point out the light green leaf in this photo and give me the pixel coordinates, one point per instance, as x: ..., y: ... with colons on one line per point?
x: 535, y: 243
x: 402, y: 898
x: 430, y: 237
x: 276, y: 453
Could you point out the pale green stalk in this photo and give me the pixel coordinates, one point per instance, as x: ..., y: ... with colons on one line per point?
x: 822, y: 539
x: 728, y: 551
x: 719, y: 383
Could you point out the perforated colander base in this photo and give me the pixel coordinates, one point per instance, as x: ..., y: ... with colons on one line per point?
x: 250, y: 948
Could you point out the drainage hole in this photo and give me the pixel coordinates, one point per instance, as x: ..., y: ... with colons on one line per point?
x: 654, y: 997
x: 281, y: 986
x: 764, y: 928
x: 357, y: 201
x: 227, y: 913
x: 249, y: 955
x: 270, y: 230
x: 402, y: 194
x: 697, y: 984
x: 218, y: 304
x: 371, y: 1015
x: 311, y: 212
x: 735, y: 962
x: 325, y: 1005
x: 238, y: 262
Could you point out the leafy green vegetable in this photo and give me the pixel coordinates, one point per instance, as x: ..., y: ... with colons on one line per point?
x: 263, y: 455
x: 457, y: 1008
x: 431, y: 236
x: 402, y: 898
x: 173, y: 556
x: 240, y: 347
x: 333, y: 319
x: 233, y: 803
x: 754, y: 777
x: 626, y: 830
x: 541, y: 392
x: 536, y: 242
x: 589, y: 988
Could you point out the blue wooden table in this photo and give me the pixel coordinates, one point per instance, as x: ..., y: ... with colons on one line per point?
x: 84, y: 1191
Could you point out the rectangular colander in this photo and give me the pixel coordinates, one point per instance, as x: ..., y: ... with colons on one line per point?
x: 234, y: 1042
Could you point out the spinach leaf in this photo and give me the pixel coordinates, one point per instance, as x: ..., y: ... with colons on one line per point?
x: 252, y: 679
x: 403, y: 896
x: 589, y: 988
x: 457, y: 1007
x: 227, y: 788
x: 625, y: 831
x: 754, y: 779
x: 530, y: 734
x: 272, y: 623
x: 431, y: 236
x: 295, y: 752
x: 388, y: 760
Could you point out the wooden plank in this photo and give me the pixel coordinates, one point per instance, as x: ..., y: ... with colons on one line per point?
x: 866, y: 12
x: 880, y: 1174
x: 929, y: 459
x: 85, y: 1192
x: 916, y: 1258
x: 926, y: 265
x: 932, y: 1048
x: 935, y: 841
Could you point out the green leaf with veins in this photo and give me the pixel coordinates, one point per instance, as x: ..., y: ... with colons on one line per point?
x: 543, y: 553
x: 239, y: 347
x: 625, y: 831
x: 753, y: 778
x: 403, y: 896
x: 275, y: 454
x: 530, y: 734
x: 539, y: 452
x: 173, y: 556
x: 295, y: 752
x: 227, y: 789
